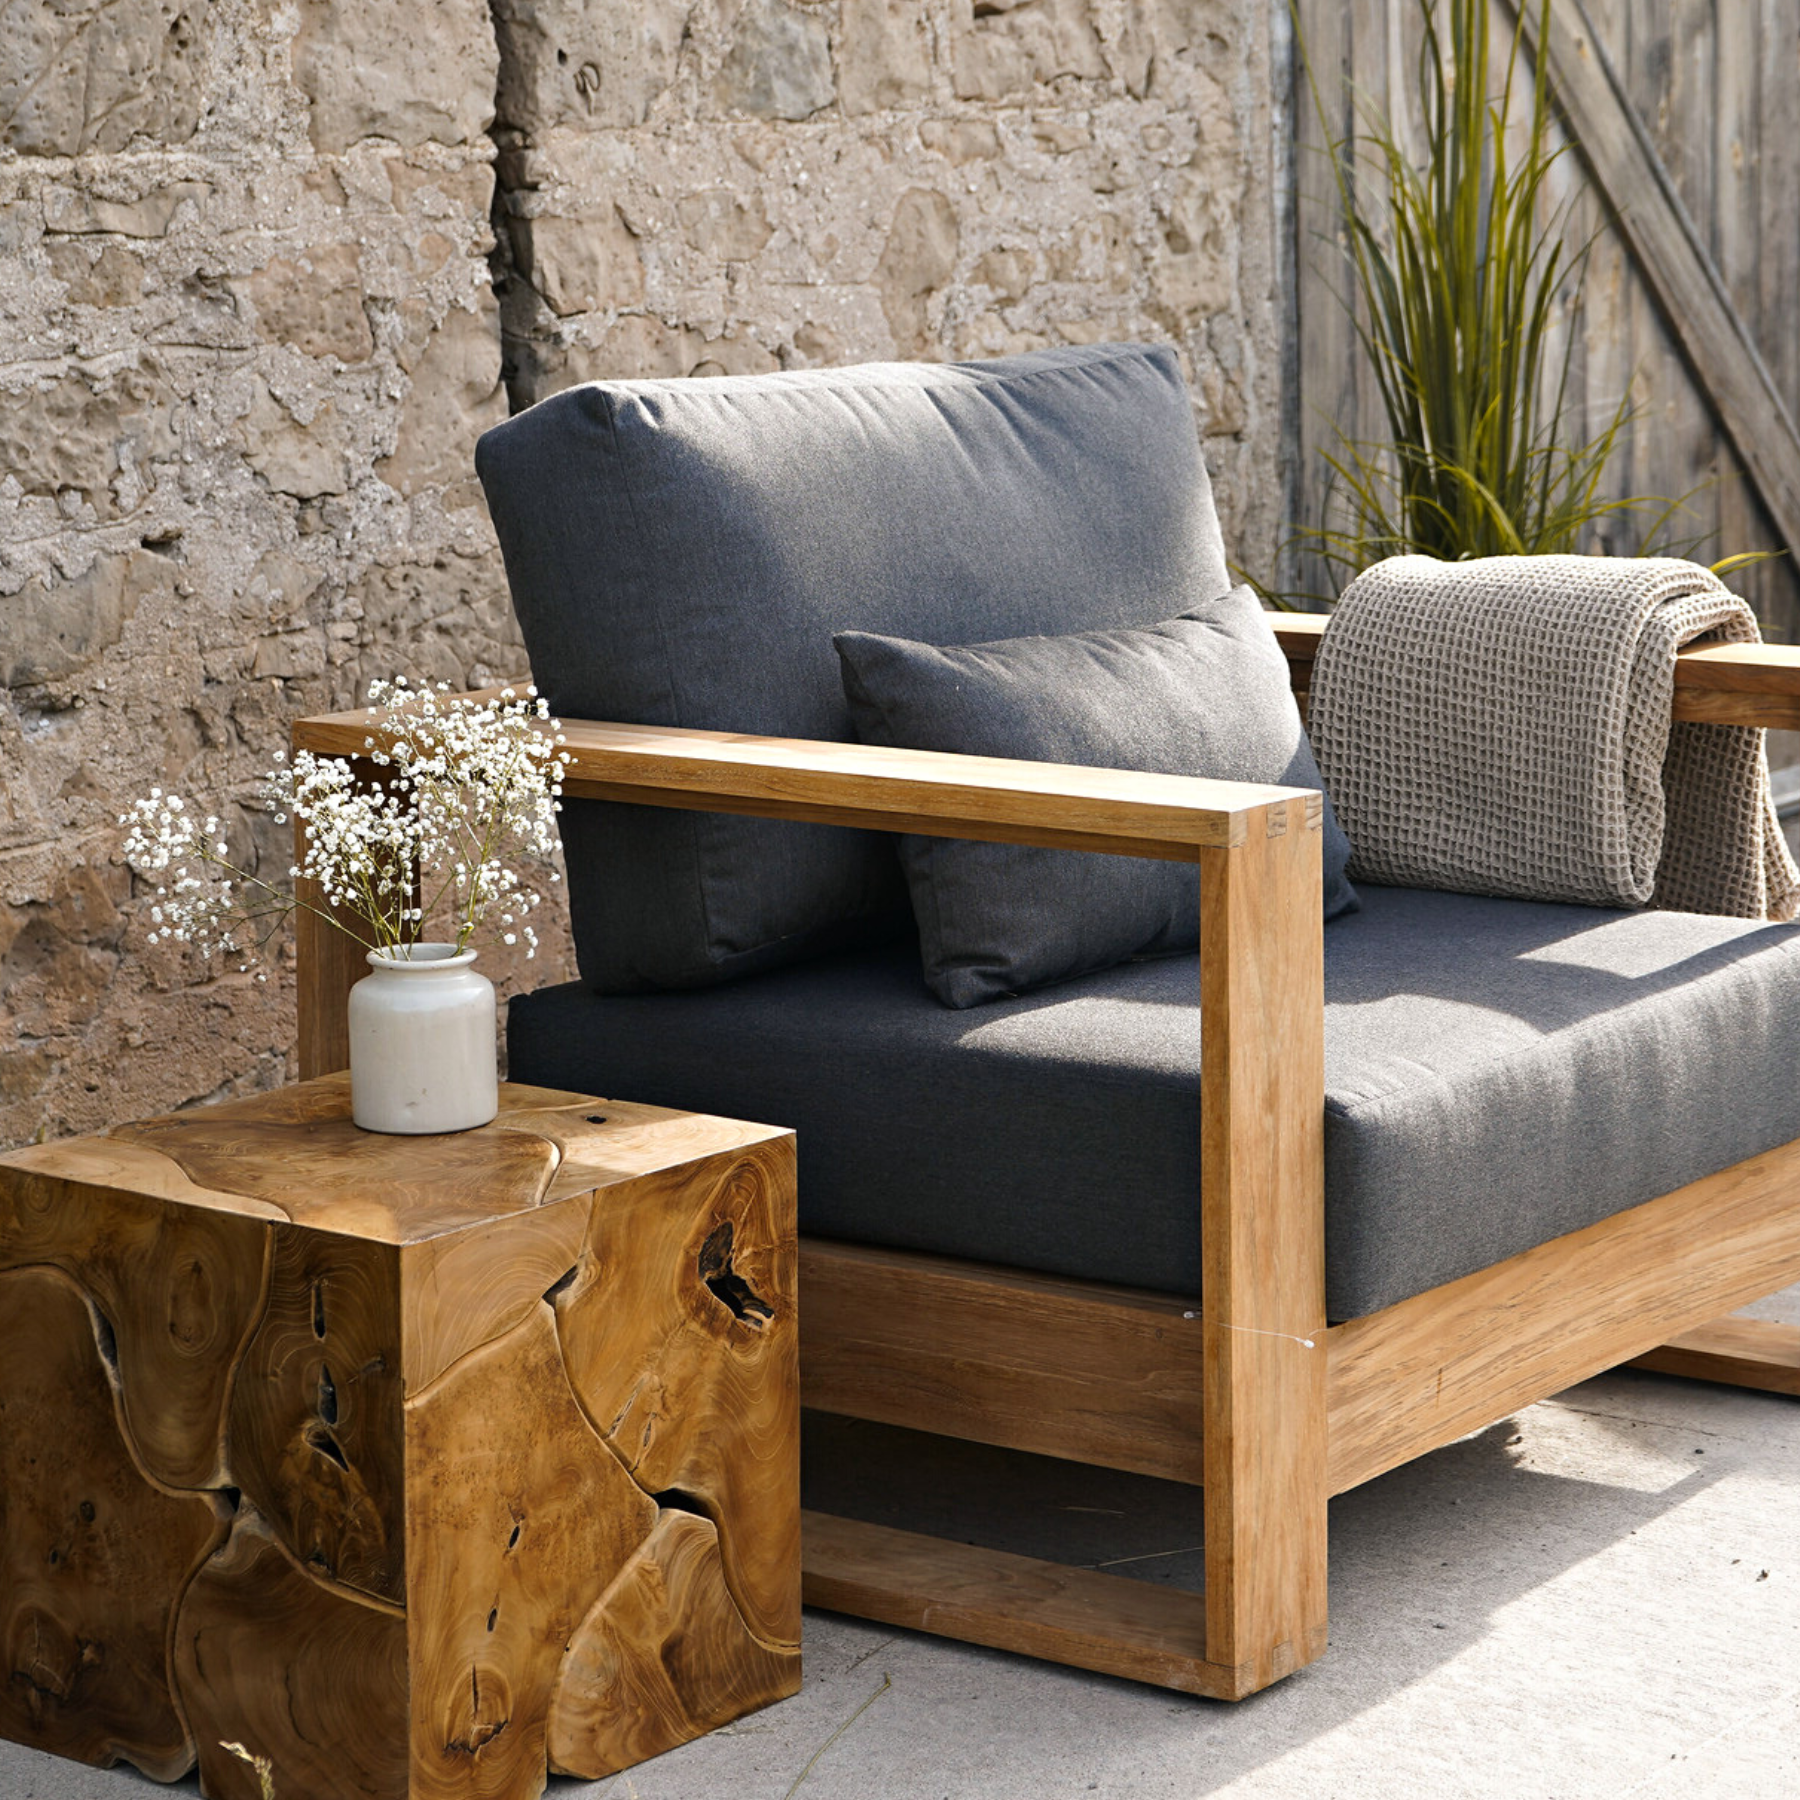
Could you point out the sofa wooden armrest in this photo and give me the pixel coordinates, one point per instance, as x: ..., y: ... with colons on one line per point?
x: 1068, y: 807
x: 1715, y: 684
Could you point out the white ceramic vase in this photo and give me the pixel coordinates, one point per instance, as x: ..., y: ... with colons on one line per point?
x: 422, y: 1055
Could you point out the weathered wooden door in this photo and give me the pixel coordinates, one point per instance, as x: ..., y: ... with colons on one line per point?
x: 1687, y: 113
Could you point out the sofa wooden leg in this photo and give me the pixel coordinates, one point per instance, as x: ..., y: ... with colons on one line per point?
x: 1748, y: 1353
x: 1262, y: 1250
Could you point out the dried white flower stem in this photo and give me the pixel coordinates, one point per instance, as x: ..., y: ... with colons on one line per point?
x: 468, y: 787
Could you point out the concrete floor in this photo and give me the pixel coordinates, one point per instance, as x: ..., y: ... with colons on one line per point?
x: 1596, y: 1600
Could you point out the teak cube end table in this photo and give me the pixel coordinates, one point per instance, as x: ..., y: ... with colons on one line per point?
x: 417, y: 1466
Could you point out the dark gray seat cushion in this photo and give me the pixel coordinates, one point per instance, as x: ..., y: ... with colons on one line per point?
x: 1204, y: 694
x: 1497, y: 1072
x: 681, y: 552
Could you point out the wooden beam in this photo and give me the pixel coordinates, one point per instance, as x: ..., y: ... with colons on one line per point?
x: 1454, y: 1359
x: 989, y: 798
x: 1061, y: 1368
x: 1674, y: 261
x: 329, y: 962
x: 1082, y: 1617
x: 1717, y: 684
x: 1747, y: 1353
x: 1262, y: 1248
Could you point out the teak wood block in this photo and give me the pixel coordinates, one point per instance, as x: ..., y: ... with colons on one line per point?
x: 419, y: 1466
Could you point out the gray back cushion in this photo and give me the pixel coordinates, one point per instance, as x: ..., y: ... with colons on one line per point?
x: 682, y: 553
x: 1205, y: 694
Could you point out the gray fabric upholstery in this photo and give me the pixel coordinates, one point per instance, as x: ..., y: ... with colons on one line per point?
x: 1205, y: 694
x: 1498, y: 1072
x: 681, y: 552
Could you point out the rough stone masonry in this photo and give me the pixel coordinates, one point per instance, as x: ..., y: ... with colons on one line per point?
x: 268, y: 267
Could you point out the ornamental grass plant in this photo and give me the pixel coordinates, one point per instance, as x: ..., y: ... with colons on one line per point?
x: 1458, y: 264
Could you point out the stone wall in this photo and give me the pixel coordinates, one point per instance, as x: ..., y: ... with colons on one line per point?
x: 722, y: 186
x: 251, y: 320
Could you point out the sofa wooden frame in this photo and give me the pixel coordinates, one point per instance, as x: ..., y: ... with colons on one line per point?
x: 1247, y: 1394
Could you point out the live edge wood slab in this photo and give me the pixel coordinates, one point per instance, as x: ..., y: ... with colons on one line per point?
x: 420, y: 1466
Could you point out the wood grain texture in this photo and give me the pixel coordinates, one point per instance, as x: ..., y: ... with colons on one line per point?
x: 93, y: 1554
x: 1077, y: 1616
x: 1675, y: 262
x: 328, y: 965
x: 316, y: 1436
x: 322, y: 1170
x: 115, y: 1165
x: 1327, y: 361
x: 604, y: 1141
x: 680, y: 1335
x: 1458, y: 1357
x: 465, y: 1288
x: 306, y: 1673
x: 1721, y: 684
x: 1060, y: 1368
x: 518, y: 1518
x: 1706, y: 90
x: 179, y: 1287
x: 664, y: 1656
x: 1748, y: 1353
x: 355, y: 1357
x: 882, y: 789
x: 296, y: 1154
x: 331, y: 958
x: 1262, y: 1247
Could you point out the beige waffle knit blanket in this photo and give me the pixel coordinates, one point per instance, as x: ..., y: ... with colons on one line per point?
x: 1502, y: 726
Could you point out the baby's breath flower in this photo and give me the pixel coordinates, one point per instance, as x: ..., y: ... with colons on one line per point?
x: 474, y: 785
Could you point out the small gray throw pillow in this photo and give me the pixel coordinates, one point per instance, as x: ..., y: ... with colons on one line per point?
x: 1204, y: 694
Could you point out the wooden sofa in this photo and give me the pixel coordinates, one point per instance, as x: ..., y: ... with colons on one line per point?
x: 1250, y: 1396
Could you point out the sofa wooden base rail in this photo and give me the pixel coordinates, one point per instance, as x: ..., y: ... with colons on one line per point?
x: 1116, y: 1377
x: 1247, y: 1394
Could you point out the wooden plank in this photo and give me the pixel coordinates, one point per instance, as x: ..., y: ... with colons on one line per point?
x: 1738, y: 669
x: 1077, y: 1616
x: 1723, y: 707
x: 1721, y: 684
x: 1449, y: 1361
x: 1669, y: 81
x: 1262, y: 1248
x: 1326, y: 350
x: 857, y: 818
x: 1748, y: 1353
x: 1674, y: 261
x: 1775, y: 266
x: 881, y: 789
x: 1734, y: 132
x: 1061, y: 1368
x: 328, y: 964
x: 1772, y: 669
x: 330, y: 958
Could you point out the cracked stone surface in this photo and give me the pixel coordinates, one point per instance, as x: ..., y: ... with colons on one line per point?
x: 247, y: 339
x: 267, y: 271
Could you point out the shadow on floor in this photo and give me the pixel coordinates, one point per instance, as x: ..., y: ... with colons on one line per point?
x: 1422, y: 1559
